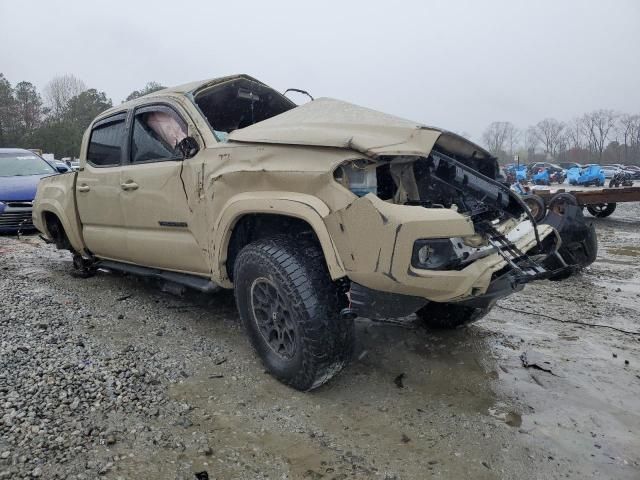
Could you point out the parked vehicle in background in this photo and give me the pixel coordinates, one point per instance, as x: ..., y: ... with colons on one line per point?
x: 634, y: 171
x: 558, y: 177
x: 610, y: 170
x: 541, y: 177
x: 313, y: 214
x: 621, y: 179
x: 547, y: 176
x: 569, y: 165
x: 515, y: 173
x: 61, y: 167
x: 75, y: 165
x: 590, y: 175
x: 20, y: 172
x: 552, y: 167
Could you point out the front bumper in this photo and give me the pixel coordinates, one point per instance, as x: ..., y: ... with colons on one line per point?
x: 16, y: 216
x: 375, y: 240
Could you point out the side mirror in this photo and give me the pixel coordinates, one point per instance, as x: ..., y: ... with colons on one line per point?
x: 62, y: 169
x: 188, y: 147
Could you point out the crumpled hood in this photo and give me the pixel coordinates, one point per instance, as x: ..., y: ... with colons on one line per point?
x: 328, y: 122
x: 19, y: 188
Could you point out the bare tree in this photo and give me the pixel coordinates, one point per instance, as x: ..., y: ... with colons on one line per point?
x: 598, y: 126
x: 500, y: 136
x: 531, y: 142
x: 59, y: 91
x: 549, y: 134
x: 629, y: 127
x: 574, y: 134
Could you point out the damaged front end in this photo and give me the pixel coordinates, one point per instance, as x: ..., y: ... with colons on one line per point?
x: 441, y: 228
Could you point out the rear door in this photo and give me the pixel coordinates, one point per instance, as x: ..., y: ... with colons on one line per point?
x: 98, y: 188
x: 155, y: 185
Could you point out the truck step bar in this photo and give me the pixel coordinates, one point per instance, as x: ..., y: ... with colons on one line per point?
x: 201, y: 284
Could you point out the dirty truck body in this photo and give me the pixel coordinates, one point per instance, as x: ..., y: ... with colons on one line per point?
x: 314, y: 214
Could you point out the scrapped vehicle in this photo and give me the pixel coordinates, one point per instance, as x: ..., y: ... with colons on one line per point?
x: 621, y: 179
x: 516, y: 173
x: 541, y: 177
x: 313, y: 214
x: 610, y: 170
x: 568, y: 165
x: 634, y: 171
x: 20, y: 172
x: 587, y: 176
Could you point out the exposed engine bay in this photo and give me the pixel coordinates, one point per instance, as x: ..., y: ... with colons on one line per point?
x: 470, y: 187
x: 435, y: 181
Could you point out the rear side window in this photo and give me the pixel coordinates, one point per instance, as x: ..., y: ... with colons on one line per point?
x: 106, y: 143
x: 157, y: 131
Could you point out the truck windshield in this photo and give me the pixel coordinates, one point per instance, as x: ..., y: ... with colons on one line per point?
x: 22, y: 165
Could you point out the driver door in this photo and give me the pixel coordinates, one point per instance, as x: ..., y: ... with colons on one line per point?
x: 157, y: 184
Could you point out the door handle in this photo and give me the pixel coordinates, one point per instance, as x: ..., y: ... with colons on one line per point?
x: 84, y: 188
x: 129, y: 185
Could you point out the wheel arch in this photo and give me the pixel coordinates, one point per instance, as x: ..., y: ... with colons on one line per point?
x: 265, y: 212
x: 50, y: 212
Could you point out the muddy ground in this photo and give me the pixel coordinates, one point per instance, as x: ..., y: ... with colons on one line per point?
x: 111, y: 377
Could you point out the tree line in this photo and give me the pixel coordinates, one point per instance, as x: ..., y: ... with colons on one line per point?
x: 54, y: 120
x: 602, y: 136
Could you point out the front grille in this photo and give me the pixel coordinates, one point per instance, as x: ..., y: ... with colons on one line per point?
x: 16, y: 220
x: 20, y: 204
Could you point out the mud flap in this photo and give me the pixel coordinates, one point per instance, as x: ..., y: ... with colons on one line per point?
x: 579, y: 246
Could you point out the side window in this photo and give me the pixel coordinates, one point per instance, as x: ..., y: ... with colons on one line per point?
x: 156, y: 133
x: 106, y: 143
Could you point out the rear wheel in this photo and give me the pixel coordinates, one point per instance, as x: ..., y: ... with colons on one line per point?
x: 601, y: 210
x: 449, y: 315
x: 290, y: 310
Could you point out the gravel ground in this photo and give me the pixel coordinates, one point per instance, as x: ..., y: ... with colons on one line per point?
x: 111, y: 377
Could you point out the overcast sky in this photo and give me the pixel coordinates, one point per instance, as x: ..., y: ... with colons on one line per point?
x: 454, y: 64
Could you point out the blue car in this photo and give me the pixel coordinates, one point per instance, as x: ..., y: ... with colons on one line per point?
x: 20, y: 172
x: 589, y: 175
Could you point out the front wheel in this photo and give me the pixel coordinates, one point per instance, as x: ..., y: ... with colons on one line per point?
x: 290, y: 310
x: 449, y: 315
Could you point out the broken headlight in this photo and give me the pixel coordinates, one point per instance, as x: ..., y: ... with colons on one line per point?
x: 434, y: 254
x: 358, y: 176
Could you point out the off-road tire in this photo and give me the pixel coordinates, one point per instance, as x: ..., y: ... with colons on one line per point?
x: 322, y: 340
x: 448, y: 316
x: 603, y: 210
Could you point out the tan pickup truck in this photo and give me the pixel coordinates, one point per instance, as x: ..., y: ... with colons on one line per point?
x: 313, y: 214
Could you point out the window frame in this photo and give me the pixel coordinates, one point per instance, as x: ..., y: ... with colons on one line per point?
x: 116, y: 117
x: 151, y: 107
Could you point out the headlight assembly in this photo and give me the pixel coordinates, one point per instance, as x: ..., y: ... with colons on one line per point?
x: 434, y: 254
x: 358, y: 176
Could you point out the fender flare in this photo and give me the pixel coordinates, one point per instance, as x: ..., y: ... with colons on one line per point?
x: 54, y: 207
x: 298, y: 205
